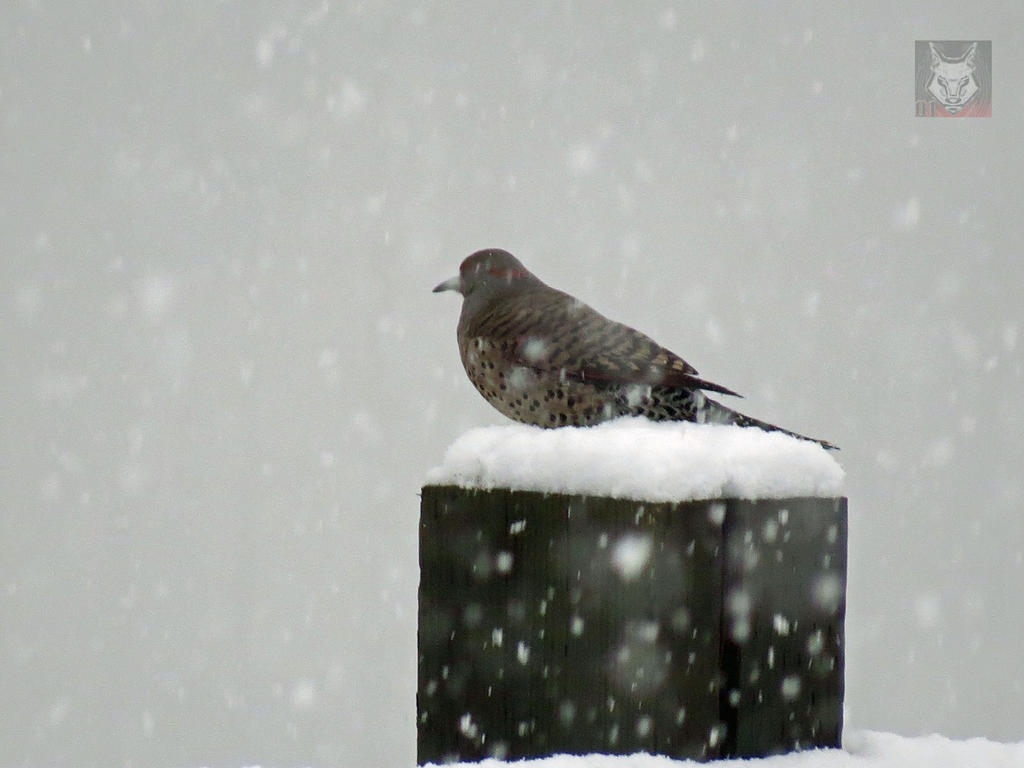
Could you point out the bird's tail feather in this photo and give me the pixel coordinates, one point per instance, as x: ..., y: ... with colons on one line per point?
x: 714, y: 412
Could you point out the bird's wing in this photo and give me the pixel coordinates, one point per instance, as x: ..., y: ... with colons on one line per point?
x: 556, y: 332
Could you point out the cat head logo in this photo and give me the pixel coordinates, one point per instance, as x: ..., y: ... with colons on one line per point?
x: 952, y: 82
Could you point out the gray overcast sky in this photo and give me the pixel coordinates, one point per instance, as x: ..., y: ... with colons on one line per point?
x: 226, y: 374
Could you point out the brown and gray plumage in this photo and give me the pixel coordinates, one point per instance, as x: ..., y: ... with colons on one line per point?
x: 542, y: 357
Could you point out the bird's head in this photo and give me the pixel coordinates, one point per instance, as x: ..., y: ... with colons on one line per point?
x: 488, y: 273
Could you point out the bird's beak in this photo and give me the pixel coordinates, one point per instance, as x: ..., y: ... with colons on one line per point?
x: 452, y: 284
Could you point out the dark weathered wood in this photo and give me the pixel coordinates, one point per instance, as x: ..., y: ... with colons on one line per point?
x: 544, y: 629
x: 783, y: 661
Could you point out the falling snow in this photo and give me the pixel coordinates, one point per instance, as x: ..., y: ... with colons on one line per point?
x: 630, y: 554
x: 907, y: 215
x: 225, y: 375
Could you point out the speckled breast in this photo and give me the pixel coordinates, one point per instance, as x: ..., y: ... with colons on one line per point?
x: 523, y: 394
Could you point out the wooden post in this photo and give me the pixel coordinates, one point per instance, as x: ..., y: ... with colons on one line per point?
x: 575, y: 624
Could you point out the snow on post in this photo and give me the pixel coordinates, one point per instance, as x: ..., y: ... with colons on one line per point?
x: 677, y: 589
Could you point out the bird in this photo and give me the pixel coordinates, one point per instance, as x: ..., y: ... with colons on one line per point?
x: 543, y: 357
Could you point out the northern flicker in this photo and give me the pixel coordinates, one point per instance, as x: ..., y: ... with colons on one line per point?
x: 543, y: 357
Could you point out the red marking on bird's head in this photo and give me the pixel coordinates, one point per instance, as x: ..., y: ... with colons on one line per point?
x: 493, y: 262
x: 507, y: 274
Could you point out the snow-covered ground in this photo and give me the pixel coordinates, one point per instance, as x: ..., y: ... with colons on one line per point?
x: 863, y: 749
x: 638, y: 459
